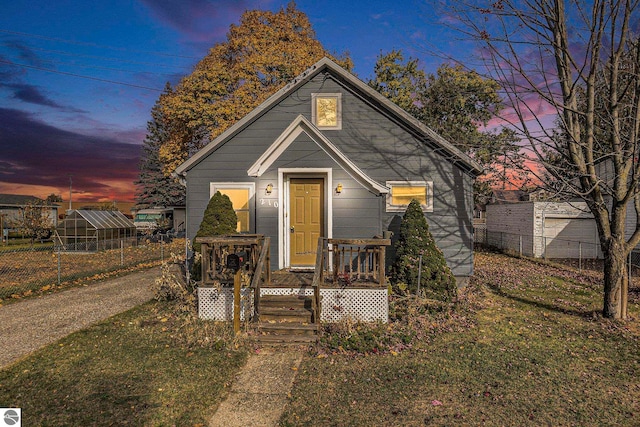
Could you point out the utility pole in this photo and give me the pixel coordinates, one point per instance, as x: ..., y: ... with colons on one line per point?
x: 70, y: 189
x: 2, y: 215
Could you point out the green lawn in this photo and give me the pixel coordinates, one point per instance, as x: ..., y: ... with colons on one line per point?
x: 138, y: 368
x: 536, y: 353
x: 524, y: 347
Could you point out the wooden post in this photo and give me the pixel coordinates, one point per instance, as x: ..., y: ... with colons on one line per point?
x: 381, y: 263
x: 237, y: 279
x: 336, y: 263
x: 205, y: 265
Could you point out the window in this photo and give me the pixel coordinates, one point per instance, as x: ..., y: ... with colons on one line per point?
x: 402, y: 192
x: 326, y: 110
x: 240, y: 195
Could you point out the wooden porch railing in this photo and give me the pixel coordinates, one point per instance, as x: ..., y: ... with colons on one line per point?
x: 358, y: 260
x: 215, y: 250
x: 318, y: 279
x: 261, y: 274
x: 345, y: 262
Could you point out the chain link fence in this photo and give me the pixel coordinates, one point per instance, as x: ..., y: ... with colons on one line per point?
x: 28, y: 270
x: 579, y: 254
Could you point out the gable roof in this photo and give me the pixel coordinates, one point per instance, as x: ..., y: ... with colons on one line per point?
x: 302, y: 125
x: 20, y: 200
x: 455, y: 155
x: 104, y: 219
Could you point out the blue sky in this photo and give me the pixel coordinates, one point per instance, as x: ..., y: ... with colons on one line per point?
x: 78, y: 78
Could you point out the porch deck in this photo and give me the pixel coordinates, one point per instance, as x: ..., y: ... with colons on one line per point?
x: 347, y: 281
x: 293, y: 279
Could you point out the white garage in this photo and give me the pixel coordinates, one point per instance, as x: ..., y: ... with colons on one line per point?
x: 543, y: 229
x: 570, y: 238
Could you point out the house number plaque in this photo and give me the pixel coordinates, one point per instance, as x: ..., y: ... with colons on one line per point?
x: 269, y: 202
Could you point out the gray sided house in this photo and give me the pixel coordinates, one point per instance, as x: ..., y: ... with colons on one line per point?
x: 329, y: 156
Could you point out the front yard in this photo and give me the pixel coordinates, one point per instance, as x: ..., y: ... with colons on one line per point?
x: 533, y: 351
x: 525, y: 347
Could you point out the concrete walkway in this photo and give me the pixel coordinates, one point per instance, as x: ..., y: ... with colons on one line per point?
x: 33, y: 323
x: 259, y: 392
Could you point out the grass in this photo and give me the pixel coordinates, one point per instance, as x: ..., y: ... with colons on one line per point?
x: 142, y: 367
x: 535, y: 353
x: 34, y: 272
x: 525, y: 346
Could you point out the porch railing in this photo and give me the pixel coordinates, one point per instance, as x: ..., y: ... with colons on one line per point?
x: 261, y: 274
x: 345, y: 262
x: 214, y: 252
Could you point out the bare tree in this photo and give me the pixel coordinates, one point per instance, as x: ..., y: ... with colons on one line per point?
x: 570, y: 72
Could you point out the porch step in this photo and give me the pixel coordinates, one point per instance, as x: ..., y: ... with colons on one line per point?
x: 286, y: 339
x: 287, y: 328
x: 285, y: 314
x: 285, y: 300
x: 286, y: 319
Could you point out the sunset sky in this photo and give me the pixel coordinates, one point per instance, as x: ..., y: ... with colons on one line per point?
x: 78, y: 78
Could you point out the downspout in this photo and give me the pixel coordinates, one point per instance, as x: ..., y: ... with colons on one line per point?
x: 182, y: 179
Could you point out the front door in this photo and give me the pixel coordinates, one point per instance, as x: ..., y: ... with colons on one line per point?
x: 306, y: 219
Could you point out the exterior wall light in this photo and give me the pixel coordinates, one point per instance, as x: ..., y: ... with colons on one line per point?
x: 339, y: 189
x: 269, y: 188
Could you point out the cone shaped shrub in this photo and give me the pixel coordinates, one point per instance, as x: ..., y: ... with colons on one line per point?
x: 219, y: 218
x: 436, y: 279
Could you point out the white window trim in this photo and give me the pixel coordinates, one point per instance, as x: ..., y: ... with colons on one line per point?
x: 314, y: 104
x: 215, y: 186
x: 401, y: 208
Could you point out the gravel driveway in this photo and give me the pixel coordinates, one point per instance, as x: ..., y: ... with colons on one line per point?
x: 33, y: 323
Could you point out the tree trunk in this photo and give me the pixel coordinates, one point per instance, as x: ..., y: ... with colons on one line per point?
x: 615, y: 280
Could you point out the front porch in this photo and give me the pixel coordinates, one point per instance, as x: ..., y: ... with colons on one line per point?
x: 347, y: 282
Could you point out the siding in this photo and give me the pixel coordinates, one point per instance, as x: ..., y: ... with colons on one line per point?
x: 375, y: 142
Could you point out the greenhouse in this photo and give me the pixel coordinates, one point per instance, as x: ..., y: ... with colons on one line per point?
x: 89, y: 230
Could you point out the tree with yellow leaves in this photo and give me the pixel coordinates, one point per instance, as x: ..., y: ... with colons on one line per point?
x: 261, y: 54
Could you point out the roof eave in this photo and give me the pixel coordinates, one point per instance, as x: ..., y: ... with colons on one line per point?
x: 471, y: 165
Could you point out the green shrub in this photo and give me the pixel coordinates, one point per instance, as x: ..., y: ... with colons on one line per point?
x: 219, y: 219
x: 436, y: 279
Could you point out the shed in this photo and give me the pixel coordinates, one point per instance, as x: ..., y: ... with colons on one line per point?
x: 90, y: 230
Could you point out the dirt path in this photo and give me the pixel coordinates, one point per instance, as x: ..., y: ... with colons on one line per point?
x: 259, y: 392
x: 31, y: 324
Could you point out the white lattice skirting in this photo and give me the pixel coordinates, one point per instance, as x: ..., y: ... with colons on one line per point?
x: 214, y: 305
x: 366, y: 305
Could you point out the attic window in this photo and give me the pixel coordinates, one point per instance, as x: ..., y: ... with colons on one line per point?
x: 402, y: 192
x: 326, y: 110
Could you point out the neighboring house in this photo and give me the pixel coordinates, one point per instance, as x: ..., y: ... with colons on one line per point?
x: 329, y: 156
x: 543, y: 229
x: 12, y: 206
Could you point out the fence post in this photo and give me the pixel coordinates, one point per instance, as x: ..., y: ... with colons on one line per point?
x: 59, y: 268
x: 121, y: 253
x: 580, y: 256
x: 419, y: 273
x: 520, y: 244
x: 544, y: 247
